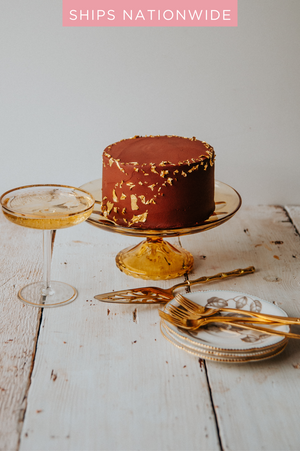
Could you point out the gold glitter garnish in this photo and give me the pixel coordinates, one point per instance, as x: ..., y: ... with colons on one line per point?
x: 169, y: 180
x: 176, y: 171
x: 115, y: 197
x: 116, y: 209
x: 123, y: 196
x: 140, y: 183
x: 111, y: 161
x: 124, y: 211
x: 152, y: 186
x: 121, y: 183
x: 205, y: 166
x: 184, y: 174
x: 125, y: 220
x: 136, y: 169
x: 104, y: 198
x: 134, y: 199
x: 139, y: 218
x: 115, y: 219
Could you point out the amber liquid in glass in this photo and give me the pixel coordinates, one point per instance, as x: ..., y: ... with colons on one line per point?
x: 48, y: 209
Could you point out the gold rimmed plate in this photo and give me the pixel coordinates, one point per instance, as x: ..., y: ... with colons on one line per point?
x: 223, y: 337
x: 221, y: 357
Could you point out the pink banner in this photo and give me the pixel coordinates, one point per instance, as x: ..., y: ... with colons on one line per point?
x: 150, y: 13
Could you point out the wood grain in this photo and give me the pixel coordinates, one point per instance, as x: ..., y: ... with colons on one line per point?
x: 256, y: 404
x: 21, y: 262
x: 104, y: 377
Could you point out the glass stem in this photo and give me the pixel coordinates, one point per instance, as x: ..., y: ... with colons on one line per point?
x: 47, y: 245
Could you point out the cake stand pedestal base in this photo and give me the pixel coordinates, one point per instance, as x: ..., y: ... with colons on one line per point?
x: 154, y: 259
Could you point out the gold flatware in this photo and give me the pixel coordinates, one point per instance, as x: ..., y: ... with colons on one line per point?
x: 194, y: 324
x: 193, y: 310
x: 181, y: 314
x: 156, y: 295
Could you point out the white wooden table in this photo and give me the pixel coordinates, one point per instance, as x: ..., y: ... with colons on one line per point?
x: 91, y: 376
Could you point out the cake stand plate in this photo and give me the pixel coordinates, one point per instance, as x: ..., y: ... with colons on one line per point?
x: 155, y: 258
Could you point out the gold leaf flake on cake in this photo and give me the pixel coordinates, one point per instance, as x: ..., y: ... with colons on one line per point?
x: 153, y: 169
x: 124, y: 211
x: 167, y: 163
x: 116, y: 209
x: 134, y: 199
x: 104, y: 198
x: 139, y: 218
x: 206, y: 145
x: 136, y: 169
x: 110, y: 206
x: 115, y: 197
x: 194, y: 168
x: 118, y: 165
x: 111, y: 161
x: 121, y: 183
x: 175, y: 172
x: 152, y: 186
x: 164, y: 173
x: 130, y: 184
x: 184, y: 174
x: 170, y: 180
x: 146, y: 202
x: 140, y: 183
x: 123, y: 196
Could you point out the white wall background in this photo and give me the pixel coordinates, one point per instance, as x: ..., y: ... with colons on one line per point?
x: 66, y: 93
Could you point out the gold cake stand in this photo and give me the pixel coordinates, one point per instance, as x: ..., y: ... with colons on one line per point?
x: 155, y: 258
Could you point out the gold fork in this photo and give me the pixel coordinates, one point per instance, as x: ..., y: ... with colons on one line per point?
x: 194, y: 324
x: 195, y: 309
x: 181, y: 315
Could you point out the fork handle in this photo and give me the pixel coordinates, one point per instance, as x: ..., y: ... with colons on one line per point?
x: 263, y: 316
x: 220, y: 276
x: 264, y: 330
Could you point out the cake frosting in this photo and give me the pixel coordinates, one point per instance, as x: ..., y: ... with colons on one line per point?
x: 158, y: 182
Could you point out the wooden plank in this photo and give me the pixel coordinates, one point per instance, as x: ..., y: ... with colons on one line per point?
x: 104, y: 377
x: 294, y: 213
x: 21, y: 263
x: 256, y: 404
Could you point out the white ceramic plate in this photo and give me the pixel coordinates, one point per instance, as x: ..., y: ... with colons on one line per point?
x: 221, y: 357
x: 189, y: 345
x: 230, y: 338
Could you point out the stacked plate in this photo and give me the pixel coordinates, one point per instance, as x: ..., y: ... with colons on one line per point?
x: 224, y: 343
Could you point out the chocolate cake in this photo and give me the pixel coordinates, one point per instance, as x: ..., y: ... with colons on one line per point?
x: 158, y: 182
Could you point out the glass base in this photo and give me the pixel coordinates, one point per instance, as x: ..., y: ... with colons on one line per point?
x: 154, y: 259
x: 60, y: 294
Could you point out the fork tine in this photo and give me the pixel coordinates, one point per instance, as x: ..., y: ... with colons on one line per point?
x: 169, y: 318
x: 182, y: 313
x: 189, y: 305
